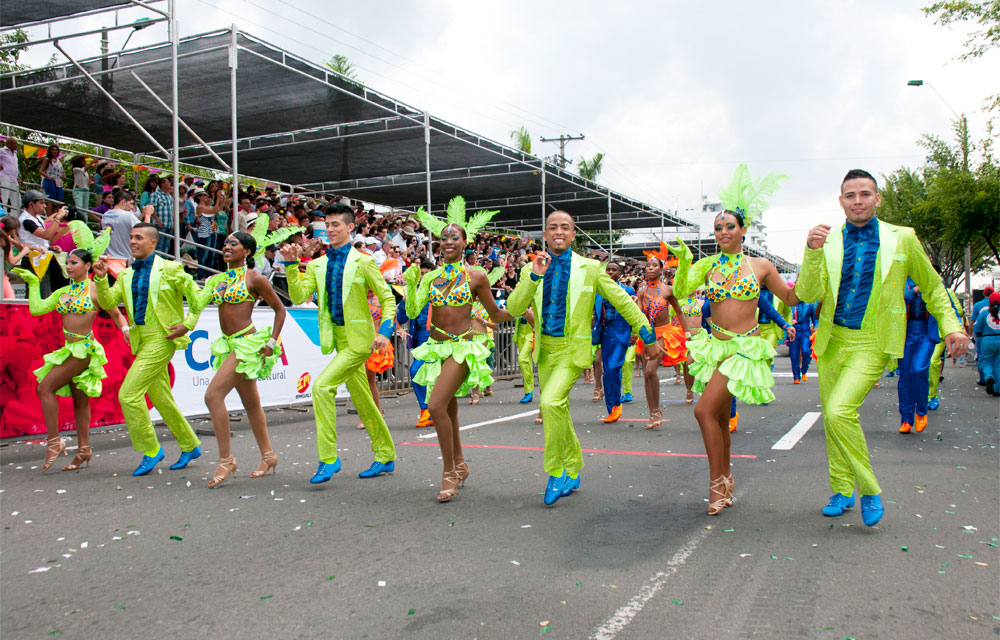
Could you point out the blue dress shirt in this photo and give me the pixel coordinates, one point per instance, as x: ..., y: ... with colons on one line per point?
x: 140, y: 288
x: 554, y: 291
x: 336, y: 259
x: 858, y: 273
x: 768, y: 297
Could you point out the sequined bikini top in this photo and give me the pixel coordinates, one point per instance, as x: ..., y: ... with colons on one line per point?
x: 733, y: 286
x: 459, y: 295
x: 233, y: 288
x: 691, y: 306
x: 79, y: 301
x: 652, y: 303
x: 374, y: 308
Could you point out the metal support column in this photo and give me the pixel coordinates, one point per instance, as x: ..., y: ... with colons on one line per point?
x: 543, y: 203
x: 233, y: 63
x: 427, y: 180
x: 611, y: 242
x: 174, y: 121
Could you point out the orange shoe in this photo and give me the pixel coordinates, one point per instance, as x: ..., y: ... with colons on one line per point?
x: 616, y: 413
x: 796, y: 381
x: 425, y: 419
x: 804, y: 377
x: 734, y: 422
x: 905, y: 427
x: 920, y: 423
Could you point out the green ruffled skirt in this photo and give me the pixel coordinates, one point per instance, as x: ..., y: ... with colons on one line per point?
x: 89, y: 381
x: 744, y: 362
x: 472, y: 352
x: 247, y: 348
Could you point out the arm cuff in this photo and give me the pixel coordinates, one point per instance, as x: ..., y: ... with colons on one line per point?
x: 647, y: 336
x: 535, y: 277
x: 386, y: 328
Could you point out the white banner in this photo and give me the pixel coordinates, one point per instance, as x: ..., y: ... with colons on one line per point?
x: 290, y: 382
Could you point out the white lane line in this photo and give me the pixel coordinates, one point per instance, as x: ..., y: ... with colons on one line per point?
x: 795, y: 434
x: 788, y: 374
x: 483, y: 424
x: 670, y: 379
x: 628, y: 611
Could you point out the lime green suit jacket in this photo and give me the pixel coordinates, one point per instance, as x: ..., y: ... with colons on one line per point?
x: 169, y: 284
x: 900, y: 254
x: 586, y: 279
x: 360, y: 275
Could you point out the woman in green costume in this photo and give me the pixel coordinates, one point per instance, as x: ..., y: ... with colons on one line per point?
x: 77, y: 368
x: 454, y: 357
x: 733, y: 362
x: 243, y: 354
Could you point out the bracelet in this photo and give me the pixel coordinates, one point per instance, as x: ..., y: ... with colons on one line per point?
x: 271, y: 342
x: 125, y: 329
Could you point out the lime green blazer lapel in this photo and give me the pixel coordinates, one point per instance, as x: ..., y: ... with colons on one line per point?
x: 126, y: 279
x: 154, y: 281
x: 350, y: 268
x: 833, y: 252
x: 888, y: 239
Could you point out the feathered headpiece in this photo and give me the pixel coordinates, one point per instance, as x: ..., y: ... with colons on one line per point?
x: 747, y: 197
x: 84, y: 238
x: 456, y: 216
x: 663, y: 255
x: 265, y: 239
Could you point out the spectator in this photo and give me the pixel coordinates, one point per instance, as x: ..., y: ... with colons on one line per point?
x: 107, y: 202
x: 148, y: 189
x: 263, y: 263
x: 245, y: 213
x: 81, y: 182
x: 35, y: 235
x: 9, y: 228
x: 163, y: 214
x: 10, y: 178
x: 52, y: 173
x: 204, y: 234
x: 120, y: 220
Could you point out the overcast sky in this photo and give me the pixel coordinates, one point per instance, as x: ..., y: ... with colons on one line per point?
x: 676, y: 94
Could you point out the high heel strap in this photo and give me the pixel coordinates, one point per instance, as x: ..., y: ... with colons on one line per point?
x: 718, y: 485
x: 81, y: 459
x: 268, y: 461
x: 730, y: 488
x: 449, y: 486
x: 655, y: 419
x: 462, y: 470
x: 226, y: 466
x: 53, y: 447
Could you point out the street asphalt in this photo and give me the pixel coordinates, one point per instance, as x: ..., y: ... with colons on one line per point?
x: 98, y: 553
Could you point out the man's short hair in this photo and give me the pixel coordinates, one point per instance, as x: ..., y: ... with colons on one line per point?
x: 565, y: 213
x: 149, y: 225
x: 854, y: 174
x: 124, y: 196
x: 346, y: 213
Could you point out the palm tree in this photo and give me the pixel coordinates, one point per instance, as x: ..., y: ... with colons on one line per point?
x: 590, y: 169
x: 343, y: 66
x: 521, y: 139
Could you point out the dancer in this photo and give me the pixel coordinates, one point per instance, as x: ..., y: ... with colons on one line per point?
x: 733, y: 363
x: 417, y: 332
x: 342, y: 279
x: 654, y: 296
x: 804, y: 319
x: 242, y: 355
x: 613, y: 333
x: 454, y: 358
x: 987, y: 331
x: 382, y: 359
x: 524, y: 338
x: 564, y: 308
x: 860, y: 272
x: 691, y: 318
x: 936, y: 370
x: 153, y: 290
x: 77, y: 368
x: 977, y: 309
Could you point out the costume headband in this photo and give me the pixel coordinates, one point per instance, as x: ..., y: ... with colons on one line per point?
x: 663, y: 255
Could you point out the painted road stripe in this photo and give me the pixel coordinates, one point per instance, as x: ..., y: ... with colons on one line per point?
x: 626, y: 453
x: 483, y: 424
x: 795, y: 434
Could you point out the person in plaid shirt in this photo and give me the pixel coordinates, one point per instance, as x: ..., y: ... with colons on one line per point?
x: 163, y: 206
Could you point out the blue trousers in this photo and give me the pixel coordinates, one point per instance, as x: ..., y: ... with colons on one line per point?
x: 613, y: 348
x: 419, y: 390
x: 989, y: 355
x: 914, y: 367
x: 800, y: 352
x: 979, y: 358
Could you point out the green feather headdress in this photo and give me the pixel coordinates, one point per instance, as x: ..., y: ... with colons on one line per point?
x: 748, y: 197
x: 84, y: 238
x: 456, y: 216
x: 276, y: 237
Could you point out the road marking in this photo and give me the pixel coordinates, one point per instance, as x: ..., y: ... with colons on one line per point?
x: 668, y: 454
x: 627, y: 612
x: 483, y: 424
x: 788, y: 374
x: 795, y: 434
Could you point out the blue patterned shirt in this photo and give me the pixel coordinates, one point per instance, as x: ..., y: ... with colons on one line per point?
x: 857, y: 276
x: 163, y: 204
x: 336, y: 259
x: 140, y: 288
x: 554, y: 291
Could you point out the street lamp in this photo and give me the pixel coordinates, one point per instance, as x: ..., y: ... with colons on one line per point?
x: 921, y: 83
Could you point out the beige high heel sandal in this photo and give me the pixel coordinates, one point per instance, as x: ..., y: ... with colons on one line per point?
x: 53, y: 447
x: 730, y: 488
x: 655, y: 419
x: 268, y: 462
x: 449, y: 486
x: 226, y: 466
x: 719, y: 486
x: 80, y: 460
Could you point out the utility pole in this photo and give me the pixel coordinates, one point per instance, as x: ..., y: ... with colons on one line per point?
x: 561, y: 160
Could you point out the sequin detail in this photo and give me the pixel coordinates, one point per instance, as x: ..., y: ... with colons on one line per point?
x: 79, y: 301
x: 691, y: 307
x: 233, y: 289
x: 456, y: 283
x: 732, y: 286
x: 652, y: 303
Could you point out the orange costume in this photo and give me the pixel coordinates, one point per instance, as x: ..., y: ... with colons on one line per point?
x: 670, y: 335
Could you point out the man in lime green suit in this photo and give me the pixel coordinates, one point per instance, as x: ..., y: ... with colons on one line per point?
x: 935, y: 371
x: 563, y: 308
x: 342, y: 279
x: 860, y: 271
x: 153, y: 290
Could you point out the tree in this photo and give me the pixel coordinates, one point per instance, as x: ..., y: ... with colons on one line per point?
x: 343, y: 66
x: 952, y: 202
x: 8, y: 57
x: 987, y: 15
x: 590, y: 169
x: 521, y: 139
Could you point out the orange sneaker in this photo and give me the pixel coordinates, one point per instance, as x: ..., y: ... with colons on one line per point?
x: 804, y: 377
x: 796, y: 381
x: 920, y: 423
x: 615, y: 414
x: 734, y: 422
x: 425, y: 419
x: 905, y: 427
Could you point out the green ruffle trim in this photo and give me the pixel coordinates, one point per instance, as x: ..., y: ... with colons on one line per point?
x: 744, y: 362
x: 88, y: 381
x: 247, y: 348
x: 471, y: 352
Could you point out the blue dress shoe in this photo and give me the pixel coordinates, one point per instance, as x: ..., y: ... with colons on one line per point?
x: 325, y: 471
x: 554, y: 489
x: 148, y: 463
x: 527, y: 397
x: 571, y: 485
x: 871, y: 510
x: 378, y: 468
x: 838, y: 503
x: 627, y: 397
x: 186, y: 457
x: 891, y: 374
x: 933, y: 403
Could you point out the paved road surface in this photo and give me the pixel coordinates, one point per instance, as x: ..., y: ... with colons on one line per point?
x: 632, y: 555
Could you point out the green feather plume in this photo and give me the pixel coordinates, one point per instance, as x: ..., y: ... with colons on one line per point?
x: 433, y: 224
x: 747, y: 196
x: 83, y: 237
x: 259, y: 230
x: 275, y: 238
x: 477, y: 222
x: 456, y: 212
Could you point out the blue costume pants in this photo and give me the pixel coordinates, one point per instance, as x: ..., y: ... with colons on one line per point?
x: 914, y: 367
x: 800, y: 351
x: 613, y: 348
x: 989, y: 355
x: 419, y: 390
